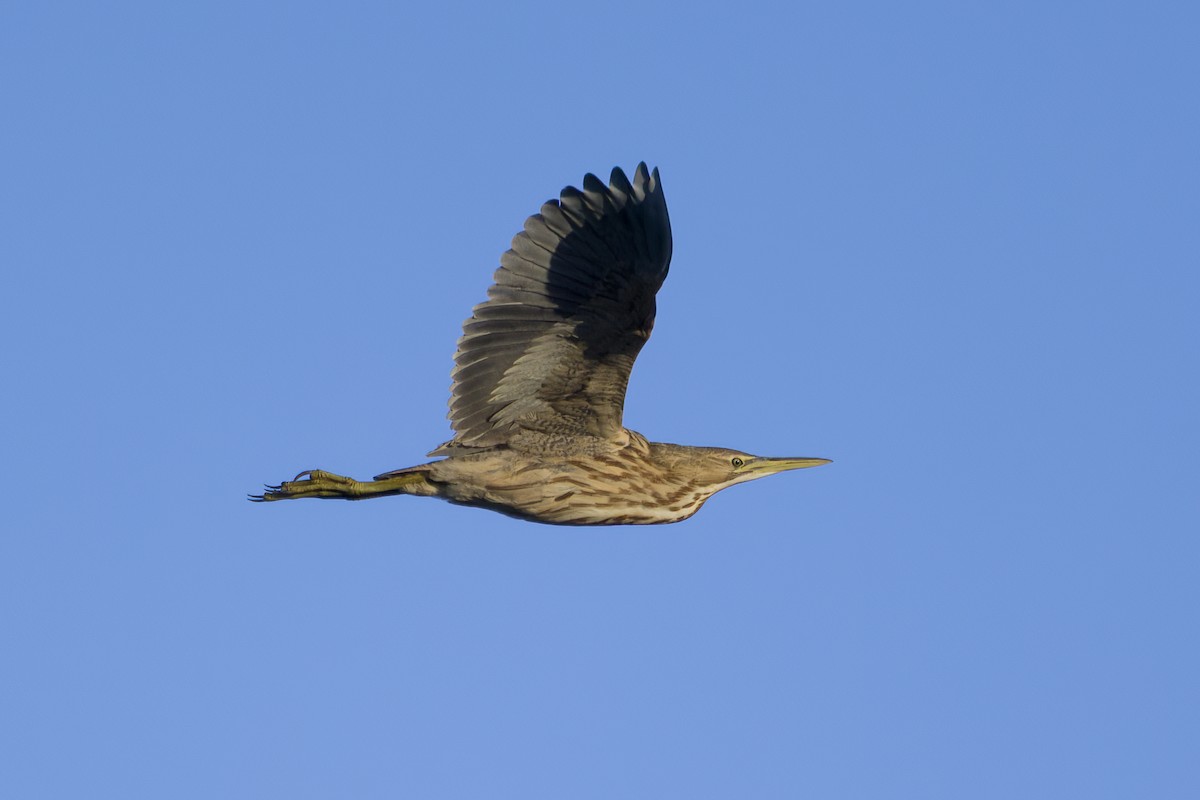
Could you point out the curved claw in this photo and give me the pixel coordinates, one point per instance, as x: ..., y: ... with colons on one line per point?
x: 311, y: 483
x: 272, y: 492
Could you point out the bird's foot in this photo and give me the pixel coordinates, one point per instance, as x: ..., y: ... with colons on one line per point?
x: 312, y: 483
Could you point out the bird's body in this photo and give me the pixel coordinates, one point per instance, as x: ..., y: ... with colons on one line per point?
x: 630, y: 482
x: 540, y: 377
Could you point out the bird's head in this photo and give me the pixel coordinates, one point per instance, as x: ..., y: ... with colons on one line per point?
x: 716, y: 468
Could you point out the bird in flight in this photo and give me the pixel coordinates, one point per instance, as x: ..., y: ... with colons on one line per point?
x: 540, y: 375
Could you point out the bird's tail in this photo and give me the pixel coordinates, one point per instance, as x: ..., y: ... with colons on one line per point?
x: 410, y: 480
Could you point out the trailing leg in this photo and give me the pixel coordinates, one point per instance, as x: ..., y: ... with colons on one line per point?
x: 318, y: 483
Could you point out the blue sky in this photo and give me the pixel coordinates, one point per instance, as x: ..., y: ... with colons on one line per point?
x: 951, y: 246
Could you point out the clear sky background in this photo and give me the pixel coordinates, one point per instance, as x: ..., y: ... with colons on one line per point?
x: 951, y: 246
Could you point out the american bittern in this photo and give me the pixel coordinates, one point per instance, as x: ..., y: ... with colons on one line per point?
x: 540, y: 375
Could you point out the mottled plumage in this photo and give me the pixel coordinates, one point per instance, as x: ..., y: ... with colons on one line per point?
x: 540, y: 375
x: 545, y: 360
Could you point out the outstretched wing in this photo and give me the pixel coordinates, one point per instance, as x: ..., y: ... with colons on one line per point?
x: 547, y: 357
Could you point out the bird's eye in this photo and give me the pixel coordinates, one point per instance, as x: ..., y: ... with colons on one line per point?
x: 737, y: 462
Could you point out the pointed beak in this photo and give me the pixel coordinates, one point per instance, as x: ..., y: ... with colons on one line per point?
x: 761, y: 467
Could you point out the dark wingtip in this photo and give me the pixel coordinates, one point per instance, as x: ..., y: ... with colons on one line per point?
x: 642, y: 173
x: 593, y: 184
x: 619, y: 182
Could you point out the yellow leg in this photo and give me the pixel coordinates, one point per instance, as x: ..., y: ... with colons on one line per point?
x: 318, y: 483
